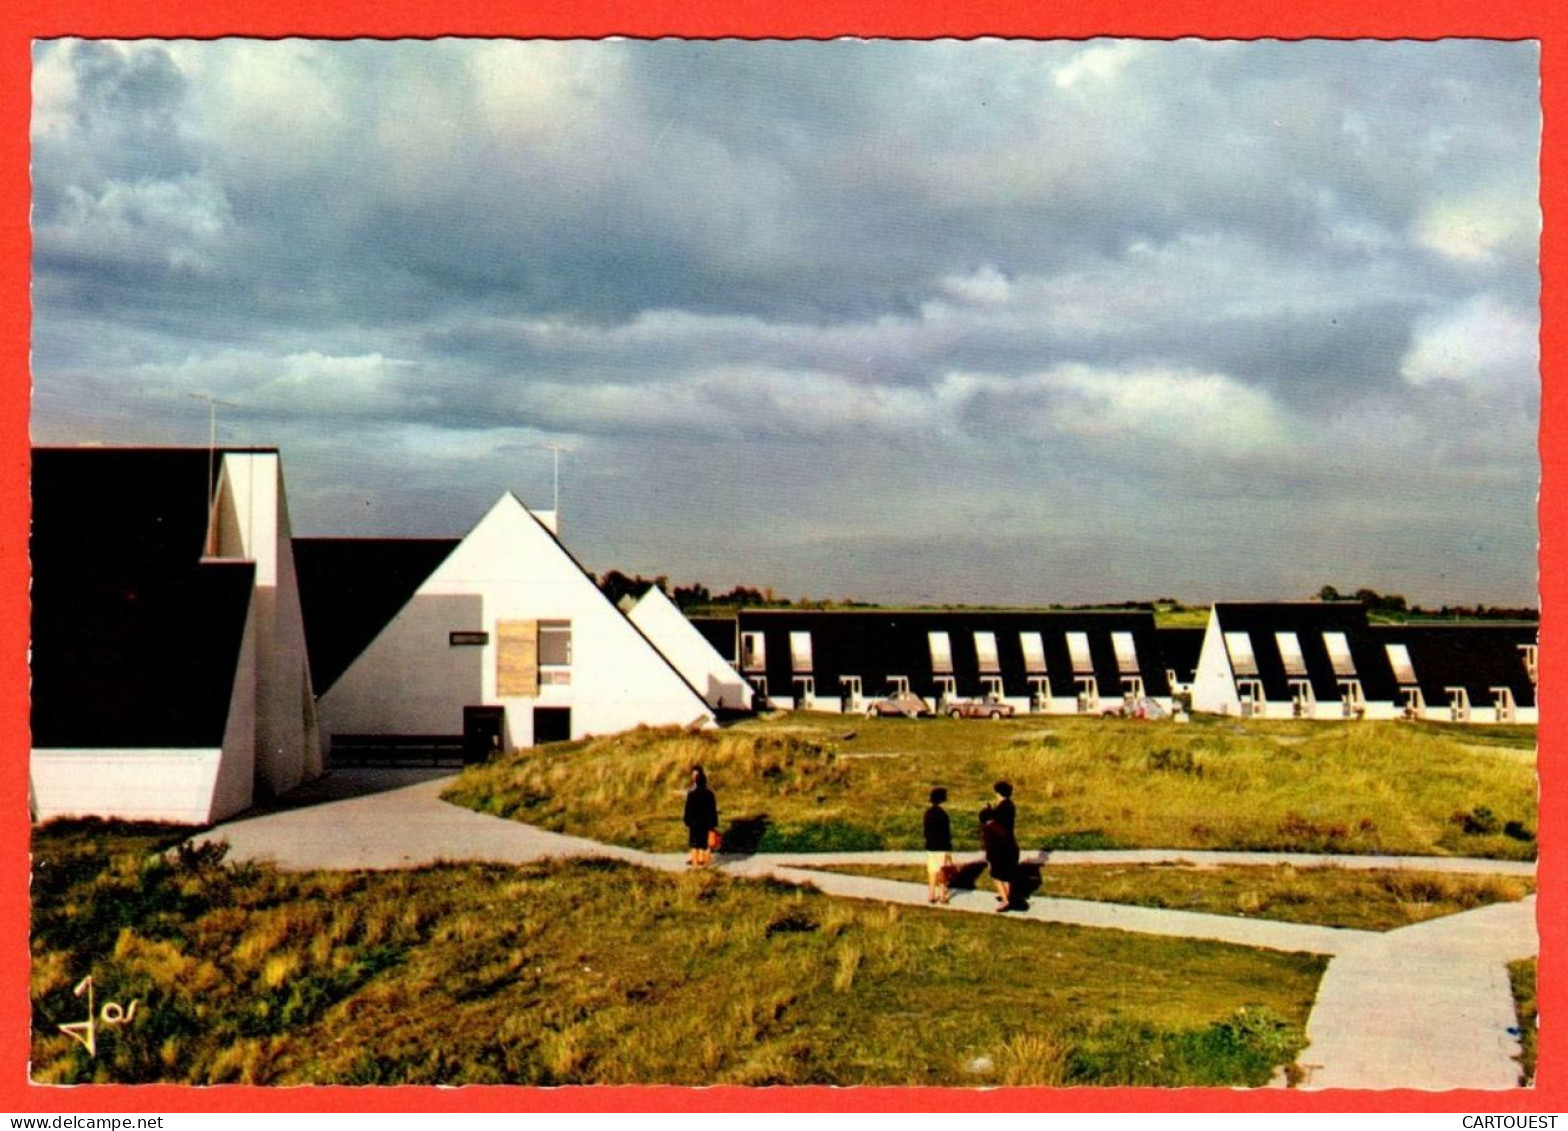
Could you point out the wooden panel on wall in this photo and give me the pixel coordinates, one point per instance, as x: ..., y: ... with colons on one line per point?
x: 517, y: 658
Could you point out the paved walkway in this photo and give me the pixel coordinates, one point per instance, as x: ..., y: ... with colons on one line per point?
x: 1426, y: 1006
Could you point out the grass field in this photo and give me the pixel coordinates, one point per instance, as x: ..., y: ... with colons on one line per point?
x: 598, y: 972
x: 1373, y: 900
x: 811, y: 782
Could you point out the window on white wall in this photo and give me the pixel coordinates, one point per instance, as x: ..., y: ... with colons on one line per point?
x: 753, y: 653
x: 555, y: 651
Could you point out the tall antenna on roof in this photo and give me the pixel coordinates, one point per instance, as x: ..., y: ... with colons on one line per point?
x: 555, y: 451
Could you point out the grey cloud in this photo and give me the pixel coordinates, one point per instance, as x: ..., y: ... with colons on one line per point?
x: 829, y: 290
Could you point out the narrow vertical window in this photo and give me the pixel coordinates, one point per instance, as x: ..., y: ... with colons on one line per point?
x: 1399, y: 659
x: 1290, y: 653
x: 1034, y: 652
x: 941, y: 653
x: 985, y: 649
x: 555, y: 651
x: 1338, y: 646
x: 753, y: 652
x: 1078, y: 649
x: 1126, y: 653
x: 1242, y: 661
x: 800, y: 651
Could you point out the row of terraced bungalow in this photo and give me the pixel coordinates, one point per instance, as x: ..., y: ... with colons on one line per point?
x: 1310, y: 659
x: 189, y: 655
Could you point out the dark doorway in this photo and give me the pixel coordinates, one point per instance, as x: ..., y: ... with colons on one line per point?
x: 552, y: 724
x: 484, y: 732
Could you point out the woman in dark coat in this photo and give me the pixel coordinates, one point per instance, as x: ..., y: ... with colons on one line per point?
x: 701, y: 818
x: 939, y: 848
x: 1001, y: 855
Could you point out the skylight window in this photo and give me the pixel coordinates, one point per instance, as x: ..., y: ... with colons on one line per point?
x: 1290, y: 653
x: 1078, y: 649
x: 1399, y: 657
x: 1242, y: 661
x: 1126, y: 652
x: 1338, y: 646
x: 1034, y: 651
x: 800, y: 651
x: 985, y: 649
x: 941, y: 653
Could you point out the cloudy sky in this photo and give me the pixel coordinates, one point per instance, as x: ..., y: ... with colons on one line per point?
x: 989, y: 321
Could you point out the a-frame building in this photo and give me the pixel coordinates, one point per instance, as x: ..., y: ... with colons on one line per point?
x: 507, y: 641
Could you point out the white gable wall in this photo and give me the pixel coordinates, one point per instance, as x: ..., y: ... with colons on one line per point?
x: 253, y: 524
x: 411, y: 680
x: 1213, y: 683
x: 680, y: 642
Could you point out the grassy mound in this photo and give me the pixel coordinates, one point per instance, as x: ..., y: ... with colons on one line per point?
x: 597, y: 972
x: 819, y: 783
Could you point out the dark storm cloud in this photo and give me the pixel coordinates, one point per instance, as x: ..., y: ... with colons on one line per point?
x: 1069, y: 279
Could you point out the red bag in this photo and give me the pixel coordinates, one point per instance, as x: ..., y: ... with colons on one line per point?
x: 715, y: 840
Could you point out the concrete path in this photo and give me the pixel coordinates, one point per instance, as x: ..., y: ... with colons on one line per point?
x: 1426, y: 1006
x: 1197, y: 858
x: 1267, y: 933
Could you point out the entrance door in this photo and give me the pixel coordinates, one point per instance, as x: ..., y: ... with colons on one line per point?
x: 552, y: 724
x: 484, y: 729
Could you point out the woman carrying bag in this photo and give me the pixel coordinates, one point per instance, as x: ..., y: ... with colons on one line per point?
x: 702, y: 820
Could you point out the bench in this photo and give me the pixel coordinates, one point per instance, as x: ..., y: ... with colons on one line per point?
x: 395, y: 749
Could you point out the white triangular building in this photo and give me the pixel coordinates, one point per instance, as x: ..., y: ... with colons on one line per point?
x: 685, y: 647
x: 507, y: 632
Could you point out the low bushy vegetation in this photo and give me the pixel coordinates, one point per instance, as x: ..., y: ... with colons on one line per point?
x: 1368, y: 900
x: 816, y: 783
x: 1521, y: 977
x: 599, y: 972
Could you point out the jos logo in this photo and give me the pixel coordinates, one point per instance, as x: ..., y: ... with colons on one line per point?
x: 112, y: 1015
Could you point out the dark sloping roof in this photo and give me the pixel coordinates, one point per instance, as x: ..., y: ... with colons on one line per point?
x: 351, y: 588
x: 1181, y: 648
x: 719, y: 632
x: 1477, y: 657
x: 877, y: 644
x: 1309, y: 620
x: 135, y: 640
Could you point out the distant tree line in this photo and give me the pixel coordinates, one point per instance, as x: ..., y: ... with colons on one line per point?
x: 1384, y: 606
x: 1392, y: 606
x: 616, y: 585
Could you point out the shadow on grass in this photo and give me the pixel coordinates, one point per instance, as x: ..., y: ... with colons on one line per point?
x: 745, y: 834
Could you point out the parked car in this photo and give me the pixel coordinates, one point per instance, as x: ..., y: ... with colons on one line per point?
x: 905, y: 703
x: 979, y: 709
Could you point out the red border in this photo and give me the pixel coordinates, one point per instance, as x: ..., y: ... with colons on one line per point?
x: 1429, y: 19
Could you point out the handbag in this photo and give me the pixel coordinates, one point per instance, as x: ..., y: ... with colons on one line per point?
x: 715, y: 840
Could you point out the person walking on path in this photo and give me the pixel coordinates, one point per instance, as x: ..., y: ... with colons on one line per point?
x: 1004, y: 811
x: 701, y: 819
x: 1001, y: 855
x: 939, y: 848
